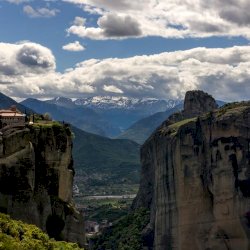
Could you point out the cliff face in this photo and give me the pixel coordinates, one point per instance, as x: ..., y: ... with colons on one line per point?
x: 196, y: 181
x: 36, y: 177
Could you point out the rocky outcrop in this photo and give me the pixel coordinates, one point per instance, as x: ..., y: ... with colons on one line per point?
x: 196, y: 181
x: 198, y: 102
x: 36, y: 178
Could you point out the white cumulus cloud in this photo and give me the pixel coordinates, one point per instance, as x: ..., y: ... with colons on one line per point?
x: 25, y: 58
x: 121, y: 19
x: 110, y: 26
x: 28, y: 70
x: 75, y: 46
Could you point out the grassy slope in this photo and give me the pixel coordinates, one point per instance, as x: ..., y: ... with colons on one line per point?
x: 21, y: 236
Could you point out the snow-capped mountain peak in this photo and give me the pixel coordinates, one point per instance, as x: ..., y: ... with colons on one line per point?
x: 62, y: 101
x: 146, y: 105
x: 123, y: 102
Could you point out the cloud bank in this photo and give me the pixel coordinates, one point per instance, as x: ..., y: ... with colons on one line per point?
x: 121, y: 19
x: 29, y: 70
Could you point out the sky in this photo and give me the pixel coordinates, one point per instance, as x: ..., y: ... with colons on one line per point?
x: 144, y: 48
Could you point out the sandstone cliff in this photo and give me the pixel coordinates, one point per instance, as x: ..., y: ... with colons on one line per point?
x: 36, y: 177
x: 196, y: 180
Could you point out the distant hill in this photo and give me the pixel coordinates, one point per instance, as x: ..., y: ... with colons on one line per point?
x: 81, y: 117
x: 100, y: 152
x: 142, y: 129
x: 6, y: 102
x: 103, y: 162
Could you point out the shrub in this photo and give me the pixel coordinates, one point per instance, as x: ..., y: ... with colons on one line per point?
x: 126, y: 234
x: 21, y: 236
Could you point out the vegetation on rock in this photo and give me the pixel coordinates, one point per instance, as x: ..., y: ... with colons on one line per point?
x: 21, y: 236
x: 107, y: 209
x: 173, y: 128
x: 126, y: 234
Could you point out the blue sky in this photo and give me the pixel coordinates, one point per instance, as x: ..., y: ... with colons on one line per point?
x: 129, y: 42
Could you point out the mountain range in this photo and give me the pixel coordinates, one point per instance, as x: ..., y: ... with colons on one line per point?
x: 81, y: 117
x: 112, y: 102
x: 106, y: 116
x: 114, y: 117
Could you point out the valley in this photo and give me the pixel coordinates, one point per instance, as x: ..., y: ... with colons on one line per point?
x: 117, y: 198
x: 124, y: 125
x: 106, y: 166
x: 107, y: 171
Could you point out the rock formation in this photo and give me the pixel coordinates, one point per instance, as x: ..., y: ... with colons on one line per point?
x: 198, y: 102
x: 36, y: 178
x: 196, y: 179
